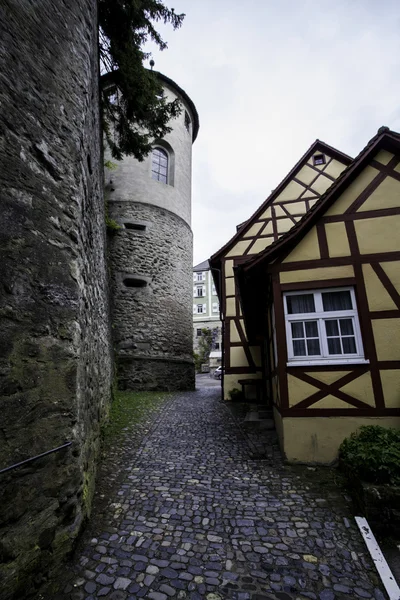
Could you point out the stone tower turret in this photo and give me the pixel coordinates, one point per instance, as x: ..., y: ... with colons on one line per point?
x: 151, y: 257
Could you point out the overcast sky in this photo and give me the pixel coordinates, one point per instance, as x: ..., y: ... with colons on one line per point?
x: 268, y: 77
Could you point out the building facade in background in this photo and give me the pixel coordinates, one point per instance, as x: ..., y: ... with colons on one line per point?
x: 206, y: 311
x: 151, y: 257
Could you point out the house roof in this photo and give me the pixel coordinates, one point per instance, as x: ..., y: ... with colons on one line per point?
x: 203, y: 266
x: 317, y: 146
x: 384, y: 138
x: 252, y: 295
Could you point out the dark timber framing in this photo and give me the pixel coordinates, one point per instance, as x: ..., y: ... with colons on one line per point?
x: 270, y: 229
x: 268, y: 264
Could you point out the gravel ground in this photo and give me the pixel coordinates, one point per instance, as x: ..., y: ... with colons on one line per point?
x: 186, y: 512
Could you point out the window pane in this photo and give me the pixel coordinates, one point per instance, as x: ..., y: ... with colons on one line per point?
x: 334, y: 346
x: 349, y: 345
x: 337, y: 300
x: 302, y: 303
x: 313, y: 348
x: 299, y: 348
x: 311, y: 329
x: 331, y: 327
x: 297, y: 330
x: 346, y: 326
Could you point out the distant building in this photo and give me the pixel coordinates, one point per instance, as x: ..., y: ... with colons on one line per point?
x: 206, y: 310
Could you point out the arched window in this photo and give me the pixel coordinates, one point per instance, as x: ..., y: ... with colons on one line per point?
x: 159, y: 165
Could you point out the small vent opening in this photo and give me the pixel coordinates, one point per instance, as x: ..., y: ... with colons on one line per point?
x: 319, y: 159
x: 135, y: 226
x: 134, y: 282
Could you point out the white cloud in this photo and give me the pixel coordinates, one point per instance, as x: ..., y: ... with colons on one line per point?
x: 268, y: 78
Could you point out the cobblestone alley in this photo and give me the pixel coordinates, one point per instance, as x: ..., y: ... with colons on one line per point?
x: 192, y: 515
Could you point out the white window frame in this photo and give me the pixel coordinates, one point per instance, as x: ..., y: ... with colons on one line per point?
x: 200, y: 312
x: 200, y: 276
x: 200, y: 288
x: 320, y: 316
x: 215, y: 307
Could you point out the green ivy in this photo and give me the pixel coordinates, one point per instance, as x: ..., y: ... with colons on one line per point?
x: 373, y: 454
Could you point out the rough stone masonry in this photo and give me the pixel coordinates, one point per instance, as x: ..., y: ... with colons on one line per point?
x: 55, y: 351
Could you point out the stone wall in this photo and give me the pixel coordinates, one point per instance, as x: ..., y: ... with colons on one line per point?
x: 152, y: 325
x: 55, y: 365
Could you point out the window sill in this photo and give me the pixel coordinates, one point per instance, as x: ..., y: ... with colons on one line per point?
x: 309, y: 363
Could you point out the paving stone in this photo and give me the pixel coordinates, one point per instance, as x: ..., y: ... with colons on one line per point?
x: 187, y: 514
x: 121, y: 583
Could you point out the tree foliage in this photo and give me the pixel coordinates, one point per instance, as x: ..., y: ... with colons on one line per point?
x: 205, y: 346
x: 134, y: 111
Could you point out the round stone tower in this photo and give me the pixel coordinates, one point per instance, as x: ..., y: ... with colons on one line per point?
x: 151, y: 258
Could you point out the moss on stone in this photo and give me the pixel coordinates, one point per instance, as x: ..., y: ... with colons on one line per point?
x: 129, y: 408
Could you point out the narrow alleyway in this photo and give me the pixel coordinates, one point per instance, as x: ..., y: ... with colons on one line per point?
x: 195, y: 516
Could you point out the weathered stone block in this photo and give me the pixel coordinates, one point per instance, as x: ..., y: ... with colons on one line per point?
x: 55, y: 366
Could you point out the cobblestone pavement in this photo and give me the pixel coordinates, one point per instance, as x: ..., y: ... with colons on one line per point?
x: 194, y: 516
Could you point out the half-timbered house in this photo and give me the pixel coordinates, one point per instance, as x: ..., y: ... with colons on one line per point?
x: 312, y: 317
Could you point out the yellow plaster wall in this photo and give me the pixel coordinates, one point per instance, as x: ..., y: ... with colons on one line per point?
x: 306, y: 175
x: 316, y: 274
x: 336, y: 235
x: 392, y: 270
x: 328, y: 376
x: 260, y: 245
x: 391, y: 387
x: 231, y: 381
x: 296, y: 208
x: 230, y: 286
x: 378, y: 297
x: 291, y: 192
x: 284, y: 225
x: 266, y: 214
x: 239, y: 248
x: 321, y: 184
x: 387, y: 338
x: 331, y: 401
x: 335, y: 168
x: 353, y: 191
x: 307, y: 249
x: 234, y: 334
x: 386, y: 195
x: 241, y: 321
x: 254, y: 229
x: 317, y: 439
x: 229, y: 268
x: 238, y: 357
x: 378, y: 234
x: 230, y: 307
x: 299, y: 390
x: 279, y: 212
x: 384, y: 157
x: 361, y: 389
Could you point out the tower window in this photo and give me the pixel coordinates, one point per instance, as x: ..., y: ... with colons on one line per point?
x: 319, y: 159
x: 159, y: 165
x: 187, y: 121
